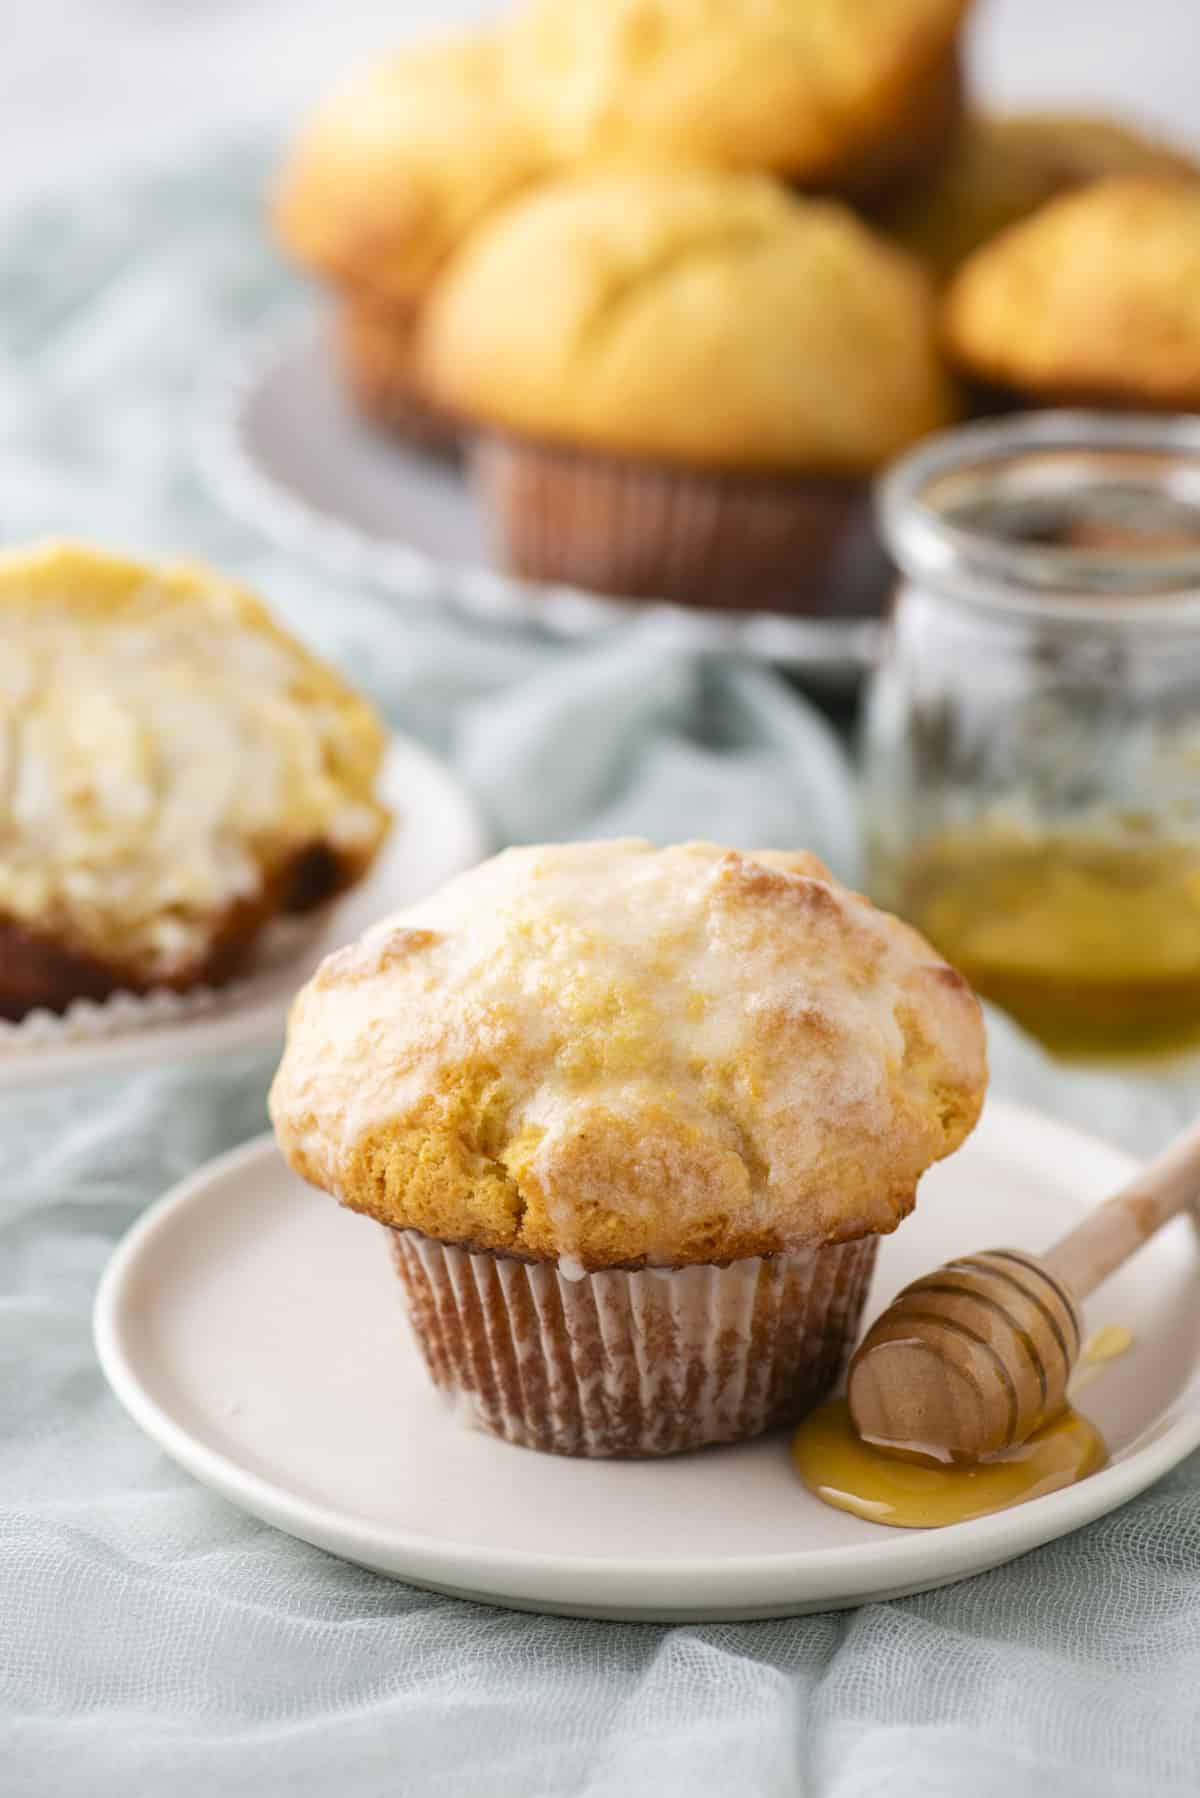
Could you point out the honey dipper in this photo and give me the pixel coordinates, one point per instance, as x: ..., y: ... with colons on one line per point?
x: 968, y: 1361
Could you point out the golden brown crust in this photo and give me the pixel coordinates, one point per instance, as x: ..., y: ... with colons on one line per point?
x: 40, y: 971
x: 815, y: 92
x: 623, y: 1056
x: 1003, y: 167
x: 1096, y: 296
x: 400, y: 163
x: 689, y: 317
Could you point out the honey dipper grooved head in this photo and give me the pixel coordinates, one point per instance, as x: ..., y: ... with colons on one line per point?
x: 968, y: 1361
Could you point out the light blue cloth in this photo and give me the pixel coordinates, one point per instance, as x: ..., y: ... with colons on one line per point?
x: 152, y: 1639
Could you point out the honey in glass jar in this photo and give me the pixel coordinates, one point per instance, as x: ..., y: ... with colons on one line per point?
x: 1090, y: 944
x: 1032, y: 769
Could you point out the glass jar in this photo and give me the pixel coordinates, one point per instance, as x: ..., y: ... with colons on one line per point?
x: 1032, y: 734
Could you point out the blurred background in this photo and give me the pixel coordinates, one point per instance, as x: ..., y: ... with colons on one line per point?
x: 153, y: 396
x: 83, y: 81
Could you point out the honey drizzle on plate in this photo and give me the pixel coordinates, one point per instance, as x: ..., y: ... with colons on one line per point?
x: 844, y: 1471
x: 1104, y: 1346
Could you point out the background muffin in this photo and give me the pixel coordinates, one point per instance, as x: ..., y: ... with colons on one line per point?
x: 1096, y: 298
x: 1001, y: 168
x: 176, y: 772
x: 681, y: 381
x: 376, y: 347
x: 832, y: 94
x: 557, y: 236
x: 394, y: 170
x: 578, y: 1065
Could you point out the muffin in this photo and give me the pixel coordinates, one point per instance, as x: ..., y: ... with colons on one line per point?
x: 634, y: 1120
x: 679, y: 383
x: 376, y: 348
x: 393, y: 172
x: 1003, y: 168
x: 175, y: 771
x: 1095, y: 299
x: 830, y: 94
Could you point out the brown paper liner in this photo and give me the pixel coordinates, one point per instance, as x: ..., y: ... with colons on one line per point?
x: 633, y: 1362
x: 643, y: 530
x: 375, y: 345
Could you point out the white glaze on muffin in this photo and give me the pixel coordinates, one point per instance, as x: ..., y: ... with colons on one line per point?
x: 619, y: 1055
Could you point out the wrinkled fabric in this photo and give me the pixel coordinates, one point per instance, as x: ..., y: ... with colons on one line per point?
x: 152, y: 1639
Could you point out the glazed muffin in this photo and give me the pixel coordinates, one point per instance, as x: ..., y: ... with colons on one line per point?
x: 175, y: 771
x: 400, y: 163
x: 1003, y: 168
x: 1095, y: 299
x: 394, y: 171
x: 634, y: 1120
x: 833, y: 94
x: 680, y: 382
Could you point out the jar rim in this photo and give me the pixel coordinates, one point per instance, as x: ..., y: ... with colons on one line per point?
x: 987, y: 569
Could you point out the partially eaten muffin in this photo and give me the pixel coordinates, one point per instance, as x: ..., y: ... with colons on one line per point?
x: 175, y: 772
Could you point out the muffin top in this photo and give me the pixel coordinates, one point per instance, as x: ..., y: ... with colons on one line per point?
x: 616, y: 1055
x: 167, y: 753
x: 1096, y: 298
x: 706, y: 319
x: 1003, y: 167
x: 801, y: 90
x: 399, y: 164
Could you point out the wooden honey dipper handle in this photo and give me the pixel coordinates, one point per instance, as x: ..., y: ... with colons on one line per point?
x: 1108, y: 1236
x: 970, y: 1360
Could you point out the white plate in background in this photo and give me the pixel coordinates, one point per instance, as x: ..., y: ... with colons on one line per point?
x: 436, y: 833
x: 288, y: 453
x: 255, y: 1330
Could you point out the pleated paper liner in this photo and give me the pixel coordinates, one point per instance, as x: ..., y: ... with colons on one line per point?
x: 646, y: 530
x: 633, y: 1362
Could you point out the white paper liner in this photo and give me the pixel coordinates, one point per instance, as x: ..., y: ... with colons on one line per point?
x: 286, y: 949
x: 633, y: 1363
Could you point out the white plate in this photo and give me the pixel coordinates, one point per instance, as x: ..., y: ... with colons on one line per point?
x: 255, y: 1331
x: 437, y: 833
x: 290, y: 455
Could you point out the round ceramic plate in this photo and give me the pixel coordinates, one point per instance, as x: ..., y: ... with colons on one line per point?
x: 437, y: 833
x: 289, y: 454
x: 255, y: 1331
